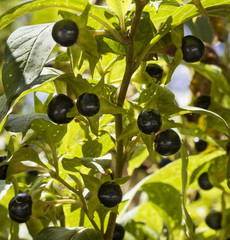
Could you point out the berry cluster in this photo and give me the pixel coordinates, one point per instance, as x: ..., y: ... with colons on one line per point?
x: 88, y: 105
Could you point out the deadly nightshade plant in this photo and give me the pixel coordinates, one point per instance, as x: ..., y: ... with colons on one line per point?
x: 108, y: 114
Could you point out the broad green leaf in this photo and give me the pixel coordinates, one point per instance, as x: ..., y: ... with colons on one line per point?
x: 137, y: 158
x: 163, y: 30
x: 25, y: 154
x: 120, y: 8
x: 160, y: 194
x: 99, y: 164
x: 130, y: 131
x: 164, y: 175
x: 107, y: 107
x: 23, y: 59
x: 61, y: 233
x: 146, y: 213
x: 180, y: 14
x: 100, y: 14
x: 159, y: 98
x: 21, y: 123
x: 6, y: 107
x: 99, y: 146
x: 50, y: 132
x: 92, y: 183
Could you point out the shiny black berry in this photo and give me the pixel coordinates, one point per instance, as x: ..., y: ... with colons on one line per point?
x: 204, y: 181
x: 193, y: 48
x: 213, y: 220
x: 65, y: 32
x: 3, y: 169
x: 149, y: 121
x: 59, y: 107
x: 20, y: 208
x: 110, y: 194
x: 200, y: 144
x: 164, y: 162
x: 203, y: 101
x: 88, y: 104
x: 154, y: 71
x: 119, y: 232
x: 167, y: 142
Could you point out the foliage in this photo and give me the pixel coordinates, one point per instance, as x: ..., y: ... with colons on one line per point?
x: 62, y: 166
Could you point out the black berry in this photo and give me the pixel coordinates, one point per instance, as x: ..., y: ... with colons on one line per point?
x: 204, y: 181
x: 3, y: 169
x: 65, y: 32
x: 58, y: 108
x: 88, y: 104
x: 203, y: 101
x: 213, y: 220
x: 167, y: 142
x: 200, y: 144
x: 20, y: 208
x: 164, y: 162
x: 149, y: 121
x: 119, y: 232
x: 193, y: 48
x: 110, y: 194
x: 154, y: 71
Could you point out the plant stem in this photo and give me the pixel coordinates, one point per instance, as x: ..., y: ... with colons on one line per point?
x: 79, y: 194
x: 129, y: 70
x: 61, y: 201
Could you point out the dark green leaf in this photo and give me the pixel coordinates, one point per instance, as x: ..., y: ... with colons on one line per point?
x: 50, y: 132
x: 21, y: 123
x: 23, y: 59
x: 161, y: 194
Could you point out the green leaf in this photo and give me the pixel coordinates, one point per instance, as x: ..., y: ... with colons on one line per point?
x: 100, y: 14
x: 99, y: 146
x: 189, y: 109
x: 100, y: 164
x: 61, y: 233
x: 120, y: 8
x: 21, y: 123
x: 92, y: 183
x: 212, y: 7
x: 130, y: 131
x: 50, y: 132
x: 107, y: 107
x: 174, y: 64
x: 137, y: 158
x: 6, y: 107
x: 159, y: 98
x: 160, y: 194
x: 23, y: 59
x: 87, y: 41
x: 148, y: 139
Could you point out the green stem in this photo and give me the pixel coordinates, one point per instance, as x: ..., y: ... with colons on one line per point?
x: 111, y: 225
x: 79, y: 194
x: 61, y: 201
x: 129, y: 70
